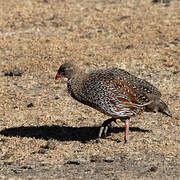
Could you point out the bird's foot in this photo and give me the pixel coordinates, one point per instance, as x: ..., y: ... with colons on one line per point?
x: 104, y: 127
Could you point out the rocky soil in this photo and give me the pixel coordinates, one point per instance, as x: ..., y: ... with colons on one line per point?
x: 44, y: 133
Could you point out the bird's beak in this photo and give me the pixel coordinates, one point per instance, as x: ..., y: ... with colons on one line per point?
x: 58, y: 76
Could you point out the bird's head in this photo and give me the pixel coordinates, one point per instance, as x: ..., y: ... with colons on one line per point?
x: 66, y: 70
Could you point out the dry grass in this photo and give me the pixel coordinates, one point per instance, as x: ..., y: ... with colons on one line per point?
x: 57, y: 137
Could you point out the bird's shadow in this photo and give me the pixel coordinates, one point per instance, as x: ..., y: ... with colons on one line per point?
x: 62, y: 133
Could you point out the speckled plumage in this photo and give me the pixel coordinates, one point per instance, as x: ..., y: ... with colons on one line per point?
x: 113, y: 92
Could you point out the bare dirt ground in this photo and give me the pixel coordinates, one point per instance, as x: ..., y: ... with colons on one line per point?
x: 44, y: 133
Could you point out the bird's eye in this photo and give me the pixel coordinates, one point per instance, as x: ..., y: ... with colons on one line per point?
x: 61, y: 70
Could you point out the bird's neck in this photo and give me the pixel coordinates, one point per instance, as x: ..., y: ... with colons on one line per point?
x: 76, y: 73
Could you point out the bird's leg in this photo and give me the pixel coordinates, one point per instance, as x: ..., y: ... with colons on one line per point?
x: 126, y: 130
x: 105, y: 125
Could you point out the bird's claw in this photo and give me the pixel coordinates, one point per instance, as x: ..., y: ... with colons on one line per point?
x: 104, y: 128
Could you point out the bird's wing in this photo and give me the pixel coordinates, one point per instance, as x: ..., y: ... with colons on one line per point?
x: 111, y: 94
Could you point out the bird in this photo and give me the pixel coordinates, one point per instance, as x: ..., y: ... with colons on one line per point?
x: 112, y: 91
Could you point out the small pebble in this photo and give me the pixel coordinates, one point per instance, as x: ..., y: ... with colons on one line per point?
x: 30, y: 105
x: 77, y: 161
x: 153, y: 169
x: 14, y: 72
x: 177, y: 39
x: 56, y: 97
x: 42, y: 151
x: 109, y: 160
x: 160, y: 1
x: 176, y: 72
x: 73, y: 162
x: 26, y: 167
